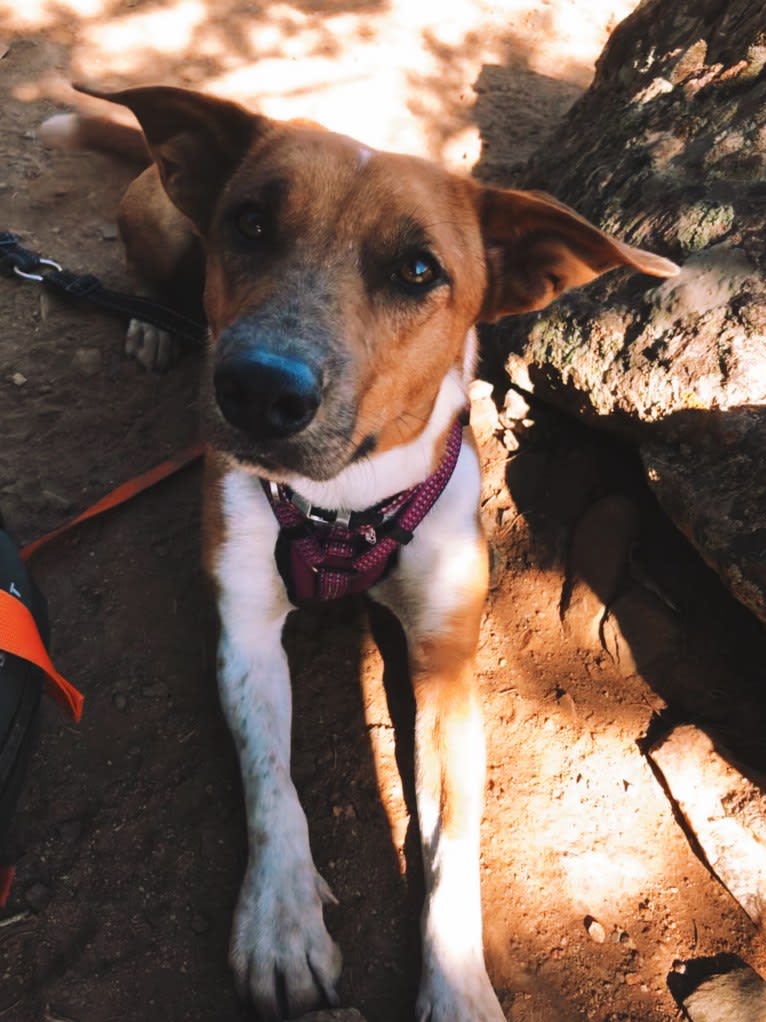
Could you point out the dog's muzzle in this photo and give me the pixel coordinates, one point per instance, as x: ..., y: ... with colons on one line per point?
x: 265, y: 394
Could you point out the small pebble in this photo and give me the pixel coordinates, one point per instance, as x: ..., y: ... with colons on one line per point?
x: 199, y: 923
x: 567, y: 705
x: 70, y: 830
x: 596, y: 931
x: 37, y: 896
x: 510, y: 441
x: 19, y: 379
x: 158, y: 690
x: 87, y: 361
x: 515, y: 406
x: 479, y: 389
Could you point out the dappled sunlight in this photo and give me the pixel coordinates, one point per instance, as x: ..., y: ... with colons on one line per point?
x: 593, y: 808
x: 576, y: 826
x: 397, y: 75
x: 165, y: 31
x: 34, y: 15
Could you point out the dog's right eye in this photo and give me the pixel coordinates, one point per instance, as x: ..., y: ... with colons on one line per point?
x: 250, y: 221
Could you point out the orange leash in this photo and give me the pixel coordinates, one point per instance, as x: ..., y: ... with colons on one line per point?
x: 18, y: 630
x: 121, y: 494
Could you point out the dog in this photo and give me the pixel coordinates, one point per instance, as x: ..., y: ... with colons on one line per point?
x: 342, y: 287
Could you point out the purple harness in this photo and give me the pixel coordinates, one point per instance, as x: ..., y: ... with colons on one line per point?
x: 323, y: 555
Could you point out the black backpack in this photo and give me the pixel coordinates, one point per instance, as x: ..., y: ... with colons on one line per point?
x: 21, y: 686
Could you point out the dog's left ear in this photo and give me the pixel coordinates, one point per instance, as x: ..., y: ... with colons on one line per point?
x: 536, y: 248
x: 196, y: 141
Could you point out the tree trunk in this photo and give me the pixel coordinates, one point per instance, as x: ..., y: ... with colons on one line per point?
x: 667, y: 150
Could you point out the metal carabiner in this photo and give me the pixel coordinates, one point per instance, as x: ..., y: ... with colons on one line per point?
x: 36, y: 276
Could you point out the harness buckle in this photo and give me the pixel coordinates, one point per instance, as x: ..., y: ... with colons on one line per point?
x: 317, y: 514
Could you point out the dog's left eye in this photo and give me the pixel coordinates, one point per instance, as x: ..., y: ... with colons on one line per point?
x: 418, y: 271
x: 250, y: 221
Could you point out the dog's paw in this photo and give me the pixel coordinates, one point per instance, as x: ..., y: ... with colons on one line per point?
x: 283, y: 958
x: 461, y: 994
x: 154, y: 349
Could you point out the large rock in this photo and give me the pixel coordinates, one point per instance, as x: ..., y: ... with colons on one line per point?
x: 737, y: 996
x: 668, y: 150
x: 723, y: 809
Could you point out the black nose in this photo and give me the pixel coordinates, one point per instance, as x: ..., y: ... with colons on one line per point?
x: 265, y: 394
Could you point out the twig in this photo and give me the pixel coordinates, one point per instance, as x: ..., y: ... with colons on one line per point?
x: 11, y: 920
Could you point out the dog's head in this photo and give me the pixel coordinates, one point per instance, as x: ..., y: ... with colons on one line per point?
x: 341, y: 283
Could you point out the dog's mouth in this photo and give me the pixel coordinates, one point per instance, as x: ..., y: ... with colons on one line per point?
x: 319, y: 451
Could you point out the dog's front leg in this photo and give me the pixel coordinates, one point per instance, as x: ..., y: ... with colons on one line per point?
x: 438, y: 593
x: 281, y: 953
x: 449, y: 781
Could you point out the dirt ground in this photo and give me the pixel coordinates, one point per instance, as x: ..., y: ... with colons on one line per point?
x: 131, y: 832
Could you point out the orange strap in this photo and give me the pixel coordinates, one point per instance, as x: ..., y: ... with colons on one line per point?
x: 121, y: 494
x: 19, y: 636
x: 18, y: 630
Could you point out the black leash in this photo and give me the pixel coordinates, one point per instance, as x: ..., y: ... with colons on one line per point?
x: 20, y: 262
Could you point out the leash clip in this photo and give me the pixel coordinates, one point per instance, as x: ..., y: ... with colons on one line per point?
x: 38, y: 277
x: 20, y: 261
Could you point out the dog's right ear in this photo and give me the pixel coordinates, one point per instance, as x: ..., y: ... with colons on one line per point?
x: 197, y: 141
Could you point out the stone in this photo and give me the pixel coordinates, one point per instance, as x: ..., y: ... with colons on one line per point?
x: 70, y: 830
x: 725, y: 811
x: 598, y: 565
x: 37, y: 896
x: 595, y: 930
x: 87, y: 361
x: 667, y: 150
x: 515, y: 408
x: 737, y: 996
x: 199, y: 923
x: 480, y: 389
x: 483, y: 411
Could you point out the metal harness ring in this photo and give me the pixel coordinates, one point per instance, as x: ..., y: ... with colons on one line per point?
x: 36, y: 276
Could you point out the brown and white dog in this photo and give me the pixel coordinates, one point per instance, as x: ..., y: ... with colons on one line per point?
x: 341, y: 287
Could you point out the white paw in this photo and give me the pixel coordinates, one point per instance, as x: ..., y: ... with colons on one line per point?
x: 461, y: 994
x: 283, y: 958
x: 155, y: 349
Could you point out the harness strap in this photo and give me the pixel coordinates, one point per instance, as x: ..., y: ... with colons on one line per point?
x: 321, y: 560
